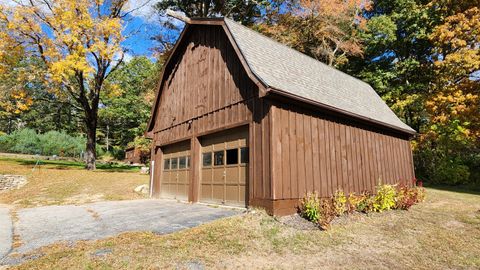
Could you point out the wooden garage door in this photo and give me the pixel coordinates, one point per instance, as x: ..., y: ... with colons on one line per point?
x: 175, y: 177
x: 225, y: 168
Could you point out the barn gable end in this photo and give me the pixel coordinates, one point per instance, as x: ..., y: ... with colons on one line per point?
x: 203, y: 75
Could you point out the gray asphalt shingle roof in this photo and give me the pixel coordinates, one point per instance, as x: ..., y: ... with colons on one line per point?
x: 286, y: 69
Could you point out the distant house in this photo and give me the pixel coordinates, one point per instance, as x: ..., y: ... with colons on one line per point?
x: 240, y: 119
x: 132, y: 155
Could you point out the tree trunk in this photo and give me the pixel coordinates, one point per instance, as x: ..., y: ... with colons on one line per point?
x: 90, y: 153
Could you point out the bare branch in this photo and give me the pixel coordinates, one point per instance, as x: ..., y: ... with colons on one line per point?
x: 135, y: 9
x: 116, y: 65
x: 178, y: 16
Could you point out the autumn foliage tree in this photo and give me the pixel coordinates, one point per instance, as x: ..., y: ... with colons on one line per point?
x: 14, y: 97
x: 449, y: 146
x: 79, y: 42
x: 456, y: 89
x: 327, y: 30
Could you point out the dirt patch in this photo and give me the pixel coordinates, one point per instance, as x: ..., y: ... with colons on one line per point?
x: 298, y: 222
x: 453, y: 224
x: 348, y: 218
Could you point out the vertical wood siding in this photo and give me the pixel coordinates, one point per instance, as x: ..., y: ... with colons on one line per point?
x: 204, y: 76
x: 313, y: 153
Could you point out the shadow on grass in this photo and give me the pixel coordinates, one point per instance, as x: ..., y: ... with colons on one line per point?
x: 467, y: 189
x: 65, y: 165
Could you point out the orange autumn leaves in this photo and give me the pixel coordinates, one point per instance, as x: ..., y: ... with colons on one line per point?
x: 326, y: 30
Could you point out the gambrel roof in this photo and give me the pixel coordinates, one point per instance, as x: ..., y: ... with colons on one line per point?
x: 285, y: 71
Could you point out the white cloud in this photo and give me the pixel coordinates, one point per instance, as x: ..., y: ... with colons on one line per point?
x: 8, y: 3
x: 41, y: 5
x: 143, y: 9
x: 127, y: 57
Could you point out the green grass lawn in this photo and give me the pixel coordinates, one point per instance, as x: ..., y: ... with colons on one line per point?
x: 66, y: 164
x: 441, y: 233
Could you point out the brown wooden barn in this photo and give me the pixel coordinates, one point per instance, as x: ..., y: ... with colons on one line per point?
x: 240, y: 119
x: 132, y: 155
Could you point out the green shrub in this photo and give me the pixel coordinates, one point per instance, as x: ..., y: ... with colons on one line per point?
x: 452, y: 172
x: 27, y: 141
x: 310, y: 207
x: 324, y: 210
x: 60, y: 144
x: 366, y: 205
x: 339, y: 203
x: 6, y: 143
x: 118, y: 152
x: 447, y: 162
x: 384, y: 199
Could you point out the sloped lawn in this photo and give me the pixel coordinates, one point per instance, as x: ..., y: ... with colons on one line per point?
x: 441, y: 233
x: 66, y: 182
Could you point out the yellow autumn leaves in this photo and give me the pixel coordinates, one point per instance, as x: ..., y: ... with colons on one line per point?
x: 71, y: 36
x: 456, y: 91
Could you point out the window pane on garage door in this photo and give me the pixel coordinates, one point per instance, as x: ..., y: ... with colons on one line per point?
x: 226, y: 181
x: 175, y: 181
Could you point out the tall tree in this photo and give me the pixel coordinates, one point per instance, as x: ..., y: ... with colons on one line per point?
x: 396, y: 60
x: 244, y: 11
x: 79, y: 42
x: 125, y: 115
x: 239, y: 10
x: 327, y: 30
x: 448, y: 149
x: 455, y: 91
x: 14, y: 95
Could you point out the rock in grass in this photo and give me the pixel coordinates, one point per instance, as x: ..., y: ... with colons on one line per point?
x: 144, y: 170
x: 9, y: 182
x: 101, y: 252
x: 143, y: 189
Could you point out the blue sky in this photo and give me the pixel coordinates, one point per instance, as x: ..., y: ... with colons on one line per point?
x: 140, y: 42
x: 142, y: 24
x: 140, y: 27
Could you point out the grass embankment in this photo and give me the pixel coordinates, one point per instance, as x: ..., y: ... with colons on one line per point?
x: 441, y: 233
x: 65, y: 182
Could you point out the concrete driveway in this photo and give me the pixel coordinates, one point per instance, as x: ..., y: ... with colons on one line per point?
x: 6, y: 231
x: 42, y: 226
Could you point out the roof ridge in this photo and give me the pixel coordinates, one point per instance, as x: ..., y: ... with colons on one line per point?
x: 296, y: 51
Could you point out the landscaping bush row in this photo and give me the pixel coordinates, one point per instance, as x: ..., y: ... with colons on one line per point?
x: 28, y: 141
x: 387, y: 197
